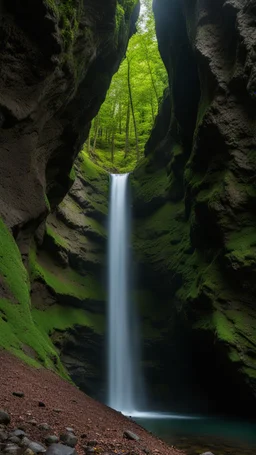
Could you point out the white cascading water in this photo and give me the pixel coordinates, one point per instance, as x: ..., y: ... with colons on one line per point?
x: 125, y: 384
x: 121, y: 393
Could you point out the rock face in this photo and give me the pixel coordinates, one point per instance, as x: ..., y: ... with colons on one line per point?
x: 194, y: 203
x: 55, y: 71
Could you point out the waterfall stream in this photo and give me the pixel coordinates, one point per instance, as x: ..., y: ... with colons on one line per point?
x: 121, y: 377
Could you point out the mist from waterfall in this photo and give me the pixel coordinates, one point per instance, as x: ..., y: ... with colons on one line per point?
x: 122, y: 327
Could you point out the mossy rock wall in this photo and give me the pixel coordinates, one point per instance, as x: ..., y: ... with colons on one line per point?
x: 68, y: 274
x: 194, y: 199
x: 55, y: 72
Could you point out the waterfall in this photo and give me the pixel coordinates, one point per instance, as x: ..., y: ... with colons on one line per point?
x: 121, y: 373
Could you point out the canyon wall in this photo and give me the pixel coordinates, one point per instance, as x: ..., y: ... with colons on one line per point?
x: 56, y: 63
x: 194, y: 203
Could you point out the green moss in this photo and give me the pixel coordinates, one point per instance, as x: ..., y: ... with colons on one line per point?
x: 149, y: 185
x: 11, y: 267
x: 62, y: 318
x: 67, y: 13
x: 97, y: 183
x: 57, y: 239
x: 124, y: 10
x: 66, y: 281
x: 72, y: 174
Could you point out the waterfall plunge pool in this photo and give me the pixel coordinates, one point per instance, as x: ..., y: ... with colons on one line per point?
x: 199, y: 434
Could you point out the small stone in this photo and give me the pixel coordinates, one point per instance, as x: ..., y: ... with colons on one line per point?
x: 207, y: 453
x: 18, y: 394
x: 36, y: 447
x: 19, y: 433
x: 70, y: 430
x: 32, y: 422
x: 41, y: 404
x: 44, y: 427
x: 3, y: 436
x: 69, y: 439
x: 28, y: 452
x: 14, y: 440
x: 25, y: 442
x: 51, y: 439
x: 57, y: 410
x: 130, y: 435
x: 60, y: 449
x: 4, y: 417
x: 12, y: 449
x: 89, y: 450
x: 92, y: 443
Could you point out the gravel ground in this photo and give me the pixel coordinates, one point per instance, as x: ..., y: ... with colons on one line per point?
x: 66, y: 406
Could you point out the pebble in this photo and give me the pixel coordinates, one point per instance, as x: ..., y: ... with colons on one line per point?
x: 92, y: 443
x: 60, y: 449
x: 12, y: 449
x: 28, y: 452
x: 207, y: 453
x: 3, y: 436
x: 4, y: 417
x: 32, y: 422
x: 41, y: 404
x: 44, y: 427
x: 70, y: 430
x: 14, y: 440
x: 89, y: 450
x: 51, y: 439
x: 57, y: 410
x: 18, y: 394
x: 25, y: 442
x: 18, y: 433
x: 130, y: 435
x: 36, y: 447
x: 69, y: 439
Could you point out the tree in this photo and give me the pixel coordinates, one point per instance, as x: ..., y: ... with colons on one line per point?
x: 128, y: 113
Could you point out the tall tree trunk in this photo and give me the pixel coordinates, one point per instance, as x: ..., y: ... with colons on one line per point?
x: 127, y: 130
x: 113, y: 146
x: 150, y: 72
x: 120, y: 118
x: 152, y: 107
x: 132, y: 108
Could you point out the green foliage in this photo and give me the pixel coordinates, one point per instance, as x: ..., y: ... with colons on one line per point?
x: 113, y: 130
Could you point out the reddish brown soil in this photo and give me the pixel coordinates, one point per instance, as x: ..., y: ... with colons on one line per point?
x: 85, y: 415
